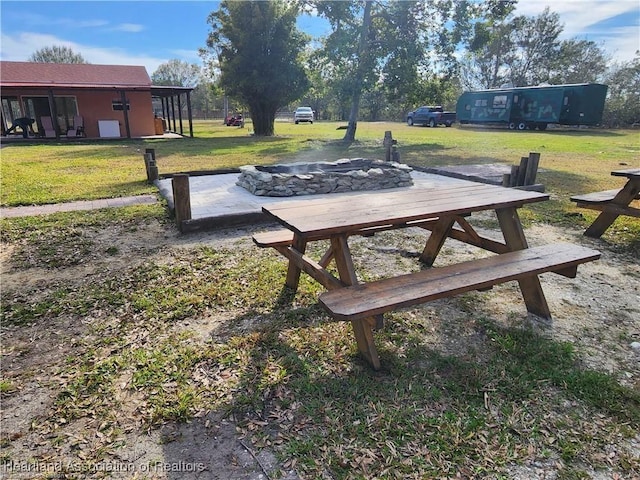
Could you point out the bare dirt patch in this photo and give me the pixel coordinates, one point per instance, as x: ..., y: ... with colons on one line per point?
x: 599, y: 312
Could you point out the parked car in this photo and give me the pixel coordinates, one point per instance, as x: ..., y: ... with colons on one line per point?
x: 431, y: 116
x: 303, y: 114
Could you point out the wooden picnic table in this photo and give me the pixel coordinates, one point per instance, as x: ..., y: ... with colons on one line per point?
x: 611, y: 203
x: 445, y: 212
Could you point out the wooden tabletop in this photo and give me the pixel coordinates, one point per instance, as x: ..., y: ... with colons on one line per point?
x: 629, y: 173
x: 336, y: 214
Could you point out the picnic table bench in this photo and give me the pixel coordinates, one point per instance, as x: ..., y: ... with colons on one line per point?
x: 444, y: 212
x: 611, y: 203
x: 364, y: 300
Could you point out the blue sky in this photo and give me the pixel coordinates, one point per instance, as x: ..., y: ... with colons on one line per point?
x: 152, y: 32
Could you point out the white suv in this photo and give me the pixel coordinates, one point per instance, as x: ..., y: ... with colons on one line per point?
x: 303, y: 114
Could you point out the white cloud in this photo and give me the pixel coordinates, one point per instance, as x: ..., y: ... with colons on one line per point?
x: 190, y: 56
x: 623, y: 43
x: 19, y: 48
x: 129, y: 27
x: 37, y: 20
x: 577, y: 15
x: 579, y: 18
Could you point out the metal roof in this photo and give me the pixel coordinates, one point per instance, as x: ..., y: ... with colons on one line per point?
x: 73, y: 75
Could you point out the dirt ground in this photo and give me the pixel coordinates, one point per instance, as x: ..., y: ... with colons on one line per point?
x: 599, y: 311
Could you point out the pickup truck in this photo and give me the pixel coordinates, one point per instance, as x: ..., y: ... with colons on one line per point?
x: 303, y: 114
x: 431, y: 116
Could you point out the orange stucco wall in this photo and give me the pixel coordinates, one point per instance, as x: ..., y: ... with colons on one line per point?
x: 94, y: 105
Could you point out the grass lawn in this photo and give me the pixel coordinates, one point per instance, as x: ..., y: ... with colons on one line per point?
x: 572, y: 161
x: 576, y: 160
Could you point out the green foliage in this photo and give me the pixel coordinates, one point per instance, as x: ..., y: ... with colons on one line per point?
x: 435, y: 90
x: 526, y: 51
x: 386, y: 47
x: 623, y: 103
x: 56, y: 54
x: 577, y: 61
x: 177, y: 73
x: 259, y: 50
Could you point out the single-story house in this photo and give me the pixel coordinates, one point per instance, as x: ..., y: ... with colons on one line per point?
x: 94, y: 101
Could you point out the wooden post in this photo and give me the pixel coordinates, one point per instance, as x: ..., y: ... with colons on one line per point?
x: 395, y: 154
x: 153, y: 171
x: 147, y: 160
x: 151, y: 167
x: 387, y: 142
x: 522, y: 169
x: 181, y: 198
x: 532, y: 168
x: 513, y: 179
x: 506, y: 179
x: 150, y: 164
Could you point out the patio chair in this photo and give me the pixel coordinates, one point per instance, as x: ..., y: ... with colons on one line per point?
x: 47, y: 127
x: 78, y: 127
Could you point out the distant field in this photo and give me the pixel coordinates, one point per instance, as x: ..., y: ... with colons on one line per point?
x: 572, y: 161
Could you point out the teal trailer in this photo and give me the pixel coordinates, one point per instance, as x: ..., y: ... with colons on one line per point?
x: 534, y: 107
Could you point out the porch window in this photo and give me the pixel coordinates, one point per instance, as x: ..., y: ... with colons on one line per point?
x: 66, y: 108
x: 11, y: 110
x: 38, y: 106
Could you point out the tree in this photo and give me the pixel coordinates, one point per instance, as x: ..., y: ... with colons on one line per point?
x: 259, y: 50
x: 535, y: 46
x: 56, y: 54
x: 482, y: 65
x: 177, y: 73
x: 522, y: 51
x: 578, y: 61
x: 388, y: 45
x: 623, y: 103
x: 205, y: 99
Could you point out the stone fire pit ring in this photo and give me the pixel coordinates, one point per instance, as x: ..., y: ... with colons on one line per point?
x: 344, y: 175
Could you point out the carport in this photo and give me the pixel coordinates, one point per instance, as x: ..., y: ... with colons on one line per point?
x: 172, y: 102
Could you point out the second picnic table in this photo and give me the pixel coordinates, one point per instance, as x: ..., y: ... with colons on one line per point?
x: 444, y: 211
x: 611, y: 203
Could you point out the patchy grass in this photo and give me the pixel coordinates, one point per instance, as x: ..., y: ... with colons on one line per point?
x: 65, y: 239
x: 138, y: 359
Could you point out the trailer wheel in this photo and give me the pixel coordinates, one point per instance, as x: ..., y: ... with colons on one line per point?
x: 542, y: 126
x: 512, y: 126
x: 522, y: 126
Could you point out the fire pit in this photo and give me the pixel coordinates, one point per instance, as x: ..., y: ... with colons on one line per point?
x: 345, y: 175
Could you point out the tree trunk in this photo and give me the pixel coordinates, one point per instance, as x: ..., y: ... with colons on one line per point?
x: 263, y: 118
x: 363, y: 50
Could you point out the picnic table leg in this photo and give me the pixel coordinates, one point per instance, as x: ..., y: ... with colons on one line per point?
x: 439, y: 234
x: 362, y: 329
x: 293, y: 272
x: 623, y: 198
x: 530, y: 287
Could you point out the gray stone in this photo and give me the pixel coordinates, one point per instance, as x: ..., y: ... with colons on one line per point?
x: 322, y: 177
